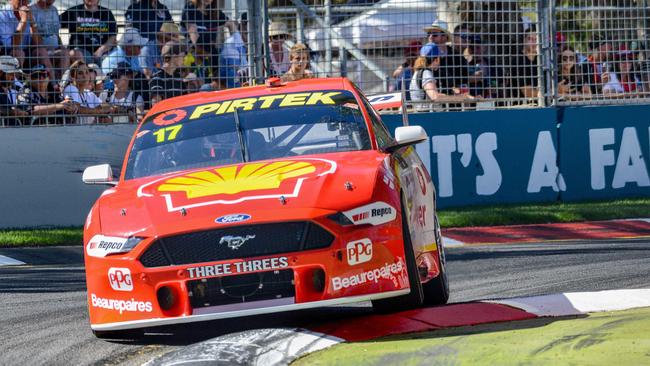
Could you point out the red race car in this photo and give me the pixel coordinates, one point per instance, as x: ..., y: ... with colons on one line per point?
x: 258, y: 200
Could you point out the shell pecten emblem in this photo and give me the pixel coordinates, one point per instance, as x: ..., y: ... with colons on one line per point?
x: 236, y: 179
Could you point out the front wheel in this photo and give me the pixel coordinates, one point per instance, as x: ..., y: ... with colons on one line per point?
x: 436, y: 290
x: 415, y: 298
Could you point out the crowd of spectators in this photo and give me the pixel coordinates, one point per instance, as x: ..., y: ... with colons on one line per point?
x: 457, y: 67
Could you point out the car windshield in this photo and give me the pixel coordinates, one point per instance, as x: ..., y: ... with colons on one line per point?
x: 248, y: 129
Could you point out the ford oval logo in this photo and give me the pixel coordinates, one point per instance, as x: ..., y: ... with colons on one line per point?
x: 227, y: 219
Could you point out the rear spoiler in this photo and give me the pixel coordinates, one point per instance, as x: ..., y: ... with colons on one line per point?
x: 382, y: 102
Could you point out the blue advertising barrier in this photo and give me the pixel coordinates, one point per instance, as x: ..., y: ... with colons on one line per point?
x: 605, y: 152
x: 489, y: 157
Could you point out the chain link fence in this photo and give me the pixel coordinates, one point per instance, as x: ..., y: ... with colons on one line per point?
x: 109, y: 62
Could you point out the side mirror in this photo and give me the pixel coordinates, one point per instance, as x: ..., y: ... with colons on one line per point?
x: 408, y: 135
x: 99, y: 174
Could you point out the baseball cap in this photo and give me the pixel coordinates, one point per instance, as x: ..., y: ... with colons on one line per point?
x: 430, y: 50
x: 132, y: 37
x: 40, y: 68
x: 10, y: 65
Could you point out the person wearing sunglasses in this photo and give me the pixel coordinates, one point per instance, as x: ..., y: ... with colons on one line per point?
x: 278, y: 35
x: 39, y: 99
x: 573, y: 80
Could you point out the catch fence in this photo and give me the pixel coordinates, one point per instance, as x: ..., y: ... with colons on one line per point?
x: 487, y: 54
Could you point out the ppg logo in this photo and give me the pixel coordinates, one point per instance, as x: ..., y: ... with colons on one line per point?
x: 120, y: 279
x: 359, y: 251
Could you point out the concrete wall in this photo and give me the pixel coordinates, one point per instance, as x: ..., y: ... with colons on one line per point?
x: 40, y: 172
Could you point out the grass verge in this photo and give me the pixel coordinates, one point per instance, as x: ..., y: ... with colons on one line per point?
x: 611, y: 338
x: 470, y: 216
x: 544, y: 213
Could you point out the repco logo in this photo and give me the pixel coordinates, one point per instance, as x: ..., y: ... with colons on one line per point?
x: 120, y: 279
x: 359, y: 251
x: 381, y: 211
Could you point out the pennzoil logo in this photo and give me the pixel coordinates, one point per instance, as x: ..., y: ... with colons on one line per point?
x: 237, y: 183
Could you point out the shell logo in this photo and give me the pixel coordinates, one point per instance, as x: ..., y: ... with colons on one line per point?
x: 232, y: 180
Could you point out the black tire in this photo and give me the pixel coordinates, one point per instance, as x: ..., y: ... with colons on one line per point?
x: 436, y: 290
x: 415, y: 298
x: 133, y: 334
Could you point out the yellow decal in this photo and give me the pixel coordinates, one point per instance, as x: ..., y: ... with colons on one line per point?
x: 161, y: 133
x: 236, y: 179
x: 264, y: 102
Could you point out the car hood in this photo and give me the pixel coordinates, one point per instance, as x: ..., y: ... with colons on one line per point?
x: 285, y: 189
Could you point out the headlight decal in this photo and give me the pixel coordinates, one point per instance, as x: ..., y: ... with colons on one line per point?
x: 101, y: 245
x: 376, y: 213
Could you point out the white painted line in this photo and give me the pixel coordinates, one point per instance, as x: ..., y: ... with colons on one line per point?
x: 448, y: 242
x: 6, y: 261
x: 576, y: 303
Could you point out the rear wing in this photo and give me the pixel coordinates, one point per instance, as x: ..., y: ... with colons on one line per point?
x: 392, y: 101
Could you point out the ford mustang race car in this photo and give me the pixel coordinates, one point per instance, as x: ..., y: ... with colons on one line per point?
x: 258, y: 200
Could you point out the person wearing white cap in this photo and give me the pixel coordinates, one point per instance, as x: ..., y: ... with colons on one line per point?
x: 278, y: 35
x: 129, y: 45
x: 9, y: 66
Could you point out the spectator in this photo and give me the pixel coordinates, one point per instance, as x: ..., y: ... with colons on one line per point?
x: 46, y: 17
x: 87, y: 103
x: 202, y: 17
x: 404, y: 72
x: 168, y: 81
x: 623, y: 78
x: 453, y: 70
x: 479, y: 69
x: 572, y: 81
x: 524, y: 68
x: 424, y: 84
x: 9, y: 67
x: 128, y: 50
x: 40, y: 101
x: 202, y: 63
x: 147, y: 16
x: 96, y: 78
x: 129, y: 104
x: 19, y: 33
x: 233, y: 58
x: 92, y: 31
x: 279, y: 51
x: 299, y: 69
x: 599, y: 61
x: 169, y: 32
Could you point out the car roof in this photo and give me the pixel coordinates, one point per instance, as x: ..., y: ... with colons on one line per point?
x: 314, y: 84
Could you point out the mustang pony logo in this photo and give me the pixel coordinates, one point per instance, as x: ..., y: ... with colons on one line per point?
x: 234, y: 242
x: 236, y: 183
x: 233, y: 179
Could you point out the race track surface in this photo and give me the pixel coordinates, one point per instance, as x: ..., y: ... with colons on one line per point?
x: 44, y: 318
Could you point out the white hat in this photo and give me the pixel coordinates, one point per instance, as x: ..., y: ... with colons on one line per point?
x: 437, y: 26
x: 132, y: 37
x: 278, y: 29
x: 10, y: 65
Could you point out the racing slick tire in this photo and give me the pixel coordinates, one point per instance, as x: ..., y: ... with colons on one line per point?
x: 436, y: 290
x: 415, y: 298
x: 134, y: 334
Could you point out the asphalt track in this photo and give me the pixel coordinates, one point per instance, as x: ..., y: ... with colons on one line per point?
x: 44, y: 316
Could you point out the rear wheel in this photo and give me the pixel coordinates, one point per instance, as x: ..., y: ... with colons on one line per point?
x: 436, y: 290
x: 415, y: 298
x: 119, y: 334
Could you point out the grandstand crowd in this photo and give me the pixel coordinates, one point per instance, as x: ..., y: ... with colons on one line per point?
x: 105, y: 75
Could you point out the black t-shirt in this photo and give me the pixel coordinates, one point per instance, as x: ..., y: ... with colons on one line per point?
x: 28, y: 99
x: 453, y: 71
x: 146, y: 19
x: 207, y: 24
x: 576, y: 79
x: 88, y: 30
x: 166, y: 85
x: 523, y: 72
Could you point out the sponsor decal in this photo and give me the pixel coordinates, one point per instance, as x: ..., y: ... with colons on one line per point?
x: 169, y: 117
x: 238, y: 267
x: 421, y: 215
x: 421, y: 181
x: 234, y: 242
x: 265, y: 102
x: 376, y: 213
x: 100, y: 245
x: 238, y: 183
x: 359, y: 251
x: 387, y: 272
x: 133, y: 305
x: 228, y: 219
x: 120, y: 279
